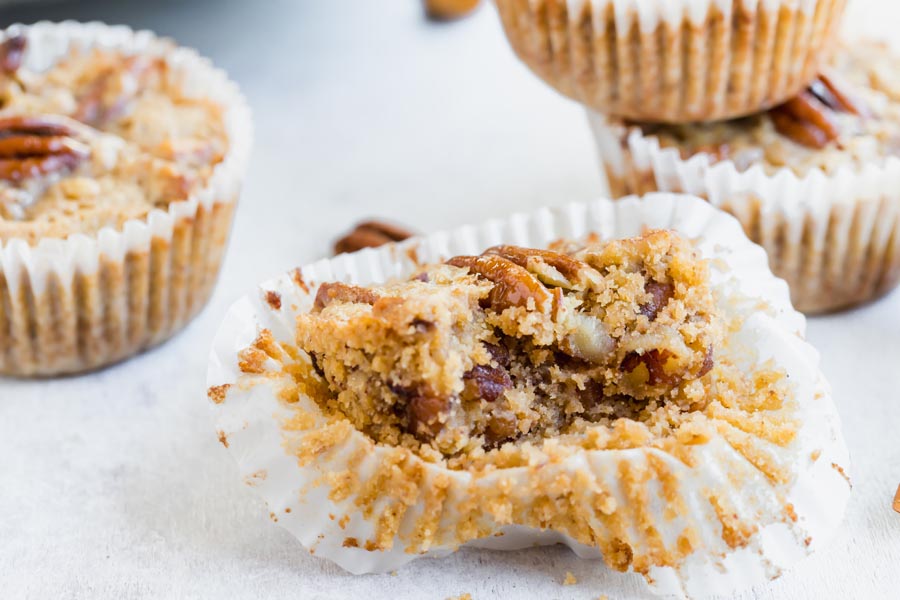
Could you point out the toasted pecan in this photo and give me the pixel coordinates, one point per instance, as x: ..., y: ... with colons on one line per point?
x: 371, y: 234
x: 342, y: 292
x: 445, y: 10
x: 513, y: 285
x: 808, y: 117
x: 12, y: 50
x: 108, y: 96
x: 37, y: 145
x: 569, y: 272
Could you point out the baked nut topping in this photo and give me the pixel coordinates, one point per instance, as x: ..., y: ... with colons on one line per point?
x: 371, y: 234
x: 35, y: 146
x: 99, y: 138
x: 517, y: 344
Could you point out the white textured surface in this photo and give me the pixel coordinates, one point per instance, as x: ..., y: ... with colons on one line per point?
x: 113, y: 485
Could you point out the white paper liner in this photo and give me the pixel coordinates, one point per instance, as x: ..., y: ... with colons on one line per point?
x: 673, y: 60
x: 183, y: 245
x: 250, y: 416
x: 834, y: 237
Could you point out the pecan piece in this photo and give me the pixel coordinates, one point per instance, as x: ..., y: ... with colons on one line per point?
x: 38, y: 145
x: 551, y: 268
x: 513, y: 285
x: 660, y: 294
x: 806, y: 120
x: 423, y: 415
x: 342, y: 292
x: 107, y: 97
x: 371, y: 234
x: 826, y: 89
x: 486, y: 383
x: 12, y: 50
x: 654, y: 362
x: 445, y: 10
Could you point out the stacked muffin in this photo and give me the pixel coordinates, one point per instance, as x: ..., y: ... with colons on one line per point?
x: 754, y: 105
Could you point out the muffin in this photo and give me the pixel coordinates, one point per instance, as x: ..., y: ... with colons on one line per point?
x: 673, y: 61
x: 815, y: 181
x: 627, y: 378
x: 121, y: 158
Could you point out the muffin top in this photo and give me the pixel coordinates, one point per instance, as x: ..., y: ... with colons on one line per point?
x: 97, y: 139
x: 849, y: 117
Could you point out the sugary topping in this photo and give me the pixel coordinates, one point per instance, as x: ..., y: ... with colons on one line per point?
x: 518, y: 345
x: 97, y: 139
x: 850, y: 116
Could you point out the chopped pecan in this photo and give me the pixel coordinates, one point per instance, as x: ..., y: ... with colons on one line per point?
x: 342, y: 292
x: 807, y: 118
x: 513, y: 285
x: 708, y: 362
x: 107, y: 97
x: 423, y: 415
x: 37, y: 145
x: 12, y: 50
x: 552, y: 268
x: 654, y: 362
x: 486, y: 383
x: 501, y: 427
x: 660, y: 294
x: 371, y: 234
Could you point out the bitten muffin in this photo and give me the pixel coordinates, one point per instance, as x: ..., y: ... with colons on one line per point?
x: 627, y: 378
x: 815, y: 181
x: 673, y: 61
x: 120, y: 162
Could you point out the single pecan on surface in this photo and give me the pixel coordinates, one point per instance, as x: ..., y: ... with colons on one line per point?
x: 371, y: 234
x: 33, y: 146
x: 107, y: 97
x: 808, y: 118
x: 12, y: 50
x: 445, y: 10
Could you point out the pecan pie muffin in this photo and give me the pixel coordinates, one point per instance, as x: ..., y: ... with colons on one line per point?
x: 120, y: 162
x: 673, y: 61
x: 638, y: 390
x: 816, y: 180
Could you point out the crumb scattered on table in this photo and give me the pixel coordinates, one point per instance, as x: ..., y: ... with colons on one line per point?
x: 570, y: 579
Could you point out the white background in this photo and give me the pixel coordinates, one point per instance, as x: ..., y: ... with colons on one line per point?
x: 112, y: 485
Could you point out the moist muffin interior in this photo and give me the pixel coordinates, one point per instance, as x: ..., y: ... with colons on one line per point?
x: 865, y: 74
x: 98, y: 138
x: 517, y: 346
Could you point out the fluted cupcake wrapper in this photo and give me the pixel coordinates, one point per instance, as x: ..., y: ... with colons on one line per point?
x: 834, y: 237
x: 673, y: 60
x: 75, y: 304
x: 373, y: 507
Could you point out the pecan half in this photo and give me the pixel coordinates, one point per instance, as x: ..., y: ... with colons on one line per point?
x: 552, y: 268
x: 37, y: 145
x: 445, y: 10
x: 12, y: 50
x: 371, y: 234
x: 513, y: 285
x: 808, y: 118
x: 342, y: 292
x: 108, y: 96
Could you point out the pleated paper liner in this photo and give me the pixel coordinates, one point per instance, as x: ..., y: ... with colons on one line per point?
x: 371, y: 507
x: 835, y: 238
x: 673, y: 60
x: 73, y: 305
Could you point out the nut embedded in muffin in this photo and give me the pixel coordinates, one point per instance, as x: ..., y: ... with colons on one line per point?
x: 517, y: 344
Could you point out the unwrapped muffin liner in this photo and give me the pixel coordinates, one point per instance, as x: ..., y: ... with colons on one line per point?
x: 70, y: 305
x: 371, y: 507
x: 834, y: 237
x: 673, y: 60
